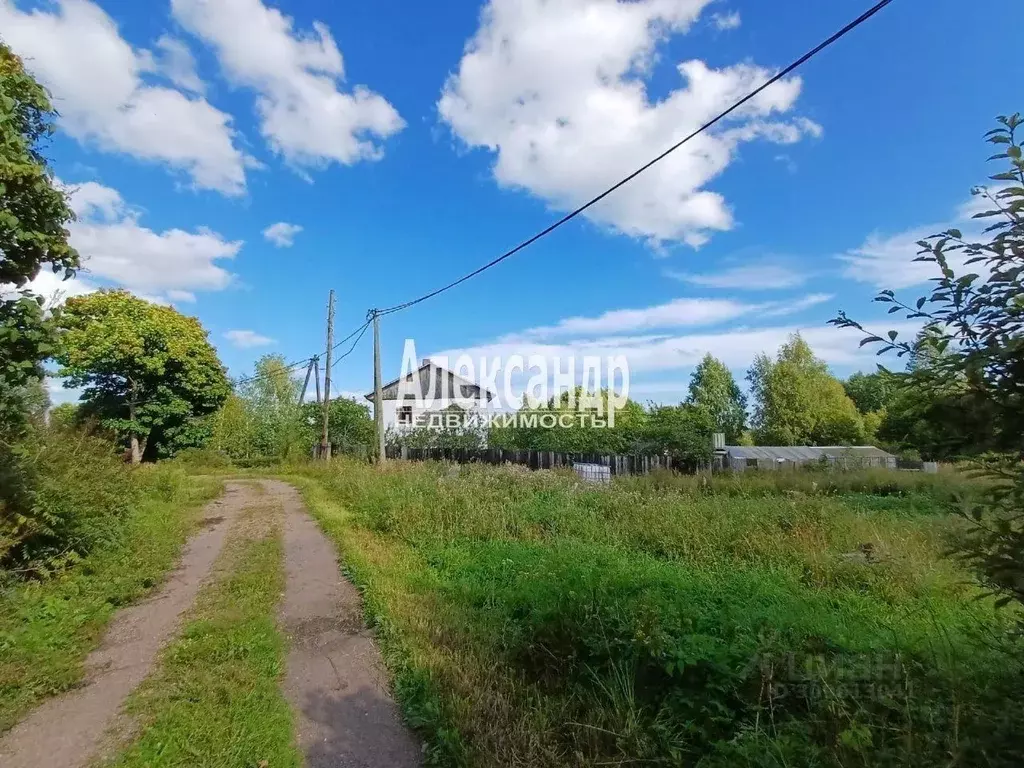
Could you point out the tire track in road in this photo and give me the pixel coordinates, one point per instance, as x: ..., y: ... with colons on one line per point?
x: 335, y: 679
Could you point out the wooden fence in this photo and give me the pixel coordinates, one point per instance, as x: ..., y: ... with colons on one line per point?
x: 617, y: 465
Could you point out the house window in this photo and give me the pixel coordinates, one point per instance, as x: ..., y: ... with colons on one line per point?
x: 752, y: 463
x: 405, y: 414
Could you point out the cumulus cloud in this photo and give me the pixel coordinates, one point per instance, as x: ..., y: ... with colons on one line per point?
x: 745, y: 277
x: 174, y: 61
x: 247, y: 339
x: 181, y: 297
x: 52, y: 286
x: 116, y: 248
x: 556, y: 90
x: 282, y: 234
x: 95, y: 77
x: 304, y: 113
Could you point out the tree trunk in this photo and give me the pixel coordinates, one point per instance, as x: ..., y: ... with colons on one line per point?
x: 136, y: 450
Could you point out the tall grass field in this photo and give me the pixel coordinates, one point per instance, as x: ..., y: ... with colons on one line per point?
x: 782, y: 619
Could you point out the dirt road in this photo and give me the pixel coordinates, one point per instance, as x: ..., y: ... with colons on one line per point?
x: 66, y: 731
x: 335, y: 680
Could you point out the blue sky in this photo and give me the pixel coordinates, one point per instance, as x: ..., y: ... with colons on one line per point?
x: 412, y: 143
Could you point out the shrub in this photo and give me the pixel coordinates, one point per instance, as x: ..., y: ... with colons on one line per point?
x: 63, y: 492
x: 165, y: 481
x: 203, y: 458
x: 257, y: 462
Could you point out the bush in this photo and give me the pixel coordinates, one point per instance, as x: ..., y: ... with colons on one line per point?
x: 165, y: 481
x: 257, y: 462
x: 63, y: 492
x: 203, y: 458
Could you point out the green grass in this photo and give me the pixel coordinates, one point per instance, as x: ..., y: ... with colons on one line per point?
x: 48, y: 627
x: 215, y: 700
x: 530, y: 620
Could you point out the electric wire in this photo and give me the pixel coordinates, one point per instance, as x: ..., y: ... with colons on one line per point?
x: 573, y: 214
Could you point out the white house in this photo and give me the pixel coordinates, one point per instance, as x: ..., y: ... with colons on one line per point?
x: 430, y: 396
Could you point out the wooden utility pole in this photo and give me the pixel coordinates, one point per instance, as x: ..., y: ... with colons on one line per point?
x: 316, y: 372
x: 378, y: 397
x: 325, y: 445
x: 305, y: 384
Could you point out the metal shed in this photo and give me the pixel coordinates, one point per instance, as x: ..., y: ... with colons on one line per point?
x: 771, y: 457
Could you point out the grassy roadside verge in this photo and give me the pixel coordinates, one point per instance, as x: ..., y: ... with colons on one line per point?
x: 47, y: 628
x: 215, y: 699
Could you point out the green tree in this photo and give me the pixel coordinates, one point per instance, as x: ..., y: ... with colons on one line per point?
x: 33, y: 232
x: 970, y: 359
x: 714, y: 391
x: 64, y: 416
x: 232, y: 428
x: 149, y: 372
x: 682, y: 431
x: 271, y: 395
x: 576, y: 430
x: 870, y: 391
x: 348, y: 423
x: 798, y: 401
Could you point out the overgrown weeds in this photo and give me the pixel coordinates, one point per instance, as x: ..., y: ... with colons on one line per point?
x: 534, y: 620
x: 47, y: 626
x: 64, y: 493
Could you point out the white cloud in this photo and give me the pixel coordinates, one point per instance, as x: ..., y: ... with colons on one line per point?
x: 787, y: 162
x: 95, y: 77
x: 726, y: 21
x: 182, y: 297
x: 282, y: 234
x: 747, y: 277
x: 736, y: 348
x: 116, y: 248
x: 247, y: 339
x: 555, y: 88
x: 52, y: 287
x: 678, y: 312
x: 888, y: 261
x: 177, y: 64
x: 792, y: 307
x: 304, y: 115
x: 60, y: 394
x: 673, y: 314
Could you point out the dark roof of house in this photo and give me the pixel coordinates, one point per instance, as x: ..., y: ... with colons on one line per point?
x: 429, y: 365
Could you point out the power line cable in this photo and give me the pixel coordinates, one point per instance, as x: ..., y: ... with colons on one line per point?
x: 351, y: 349
x: 360, y: 330
x: 573, y: 214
